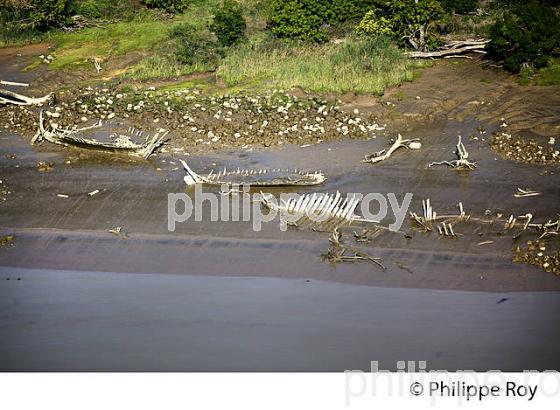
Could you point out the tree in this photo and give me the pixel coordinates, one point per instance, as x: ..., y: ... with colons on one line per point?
x: 414, y: 22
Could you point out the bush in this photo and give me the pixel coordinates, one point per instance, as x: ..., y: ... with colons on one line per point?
x: 193, y: 46
x: 525, y: 35
x: 172, y: 6
x: 303, y: 19
x: 309, y: 19
x: 460, y: 6
x: 88, y: 8
x: 228, y: 23
x: 350, y: 10
x: 46, y: 14
x: 417, y: 23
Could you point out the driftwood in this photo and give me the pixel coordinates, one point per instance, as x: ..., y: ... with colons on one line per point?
x: 13, y: 83
x: 254, y: 177
x: 399, y: 143
x: 121, y: 143
x: 521, y: 193
x: 429, y: 217
x: 96, y: 64
x: 337, y: 252
x: 9, y: 97
x: 454, y: 48
x: 462, y: 161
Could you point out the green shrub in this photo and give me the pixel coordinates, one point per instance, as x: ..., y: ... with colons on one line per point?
x: 194, y: 46
x: 88, y: 8
x: 172, y: 6
x: 310, y: 19
x: 302, y: 19
x: 525, y: 35
x: 46, y: 14
x: 228, y: 23
x: 350, y: 10
x: 416, y: 23
x: 460, y: 6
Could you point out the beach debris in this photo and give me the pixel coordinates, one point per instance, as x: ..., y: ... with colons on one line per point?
x: 7, y: 240
x: 536, y: 254
x: 254, y: 177
x: 317, y: 211
x: 462, y: 161
x: 46, y: 59
x: 403, y: 267
x: 521, y: 193
x: 429, y: 216
x: 386, y: 153
x: 524, y: 150
x: 4, y: 191
x: 13, y: 83
x: 10, y: 97
x: 121, y: 143
x: 367, y: 234
x: 548, y: 228
x: 119, y: 231
x: 446, y: 229
x: 484, y: 243
x: 45, y: 166
x: 338, y: 252
x: 96, y: 64
x: 62, y: 196
x: 453, y: 49
x: 92, y: 193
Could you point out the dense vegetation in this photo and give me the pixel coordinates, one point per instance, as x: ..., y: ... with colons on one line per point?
x: 327, y: 45
x: 526, y: 35
x: 172, y: 6
x: 415, y: 23
x: 228, y: 23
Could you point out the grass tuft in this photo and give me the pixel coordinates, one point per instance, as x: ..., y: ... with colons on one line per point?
x: 358, y: 65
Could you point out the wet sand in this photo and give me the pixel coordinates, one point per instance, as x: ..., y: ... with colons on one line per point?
x: 72, y: 233
x: 89, y: 300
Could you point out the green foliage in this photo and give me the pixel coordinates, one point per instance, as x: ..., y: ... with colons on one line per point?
x: 302, y: 19
x: 228, y: 23
x: 88, y: 8
x: 549, y: 75
x: 46, y: 14
x: 460, y: 6
x: 525, y: 35
x: 361, y: 65
x: 194, y: 46
x: 77, y: 48
x: 350, y: 10
x: 310, y: 19
x: 417, y: 23
x: 172, y: 6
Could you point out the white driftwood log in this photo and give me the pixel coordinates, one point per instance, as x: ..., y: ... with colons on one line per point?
x: 13, y: 83
x: 399, y: 143
x: 9, y: 97
x: 454, y: 48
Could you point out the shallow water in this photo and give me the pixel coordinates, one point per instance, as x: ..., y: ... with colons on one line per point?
x: 94, y: 321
